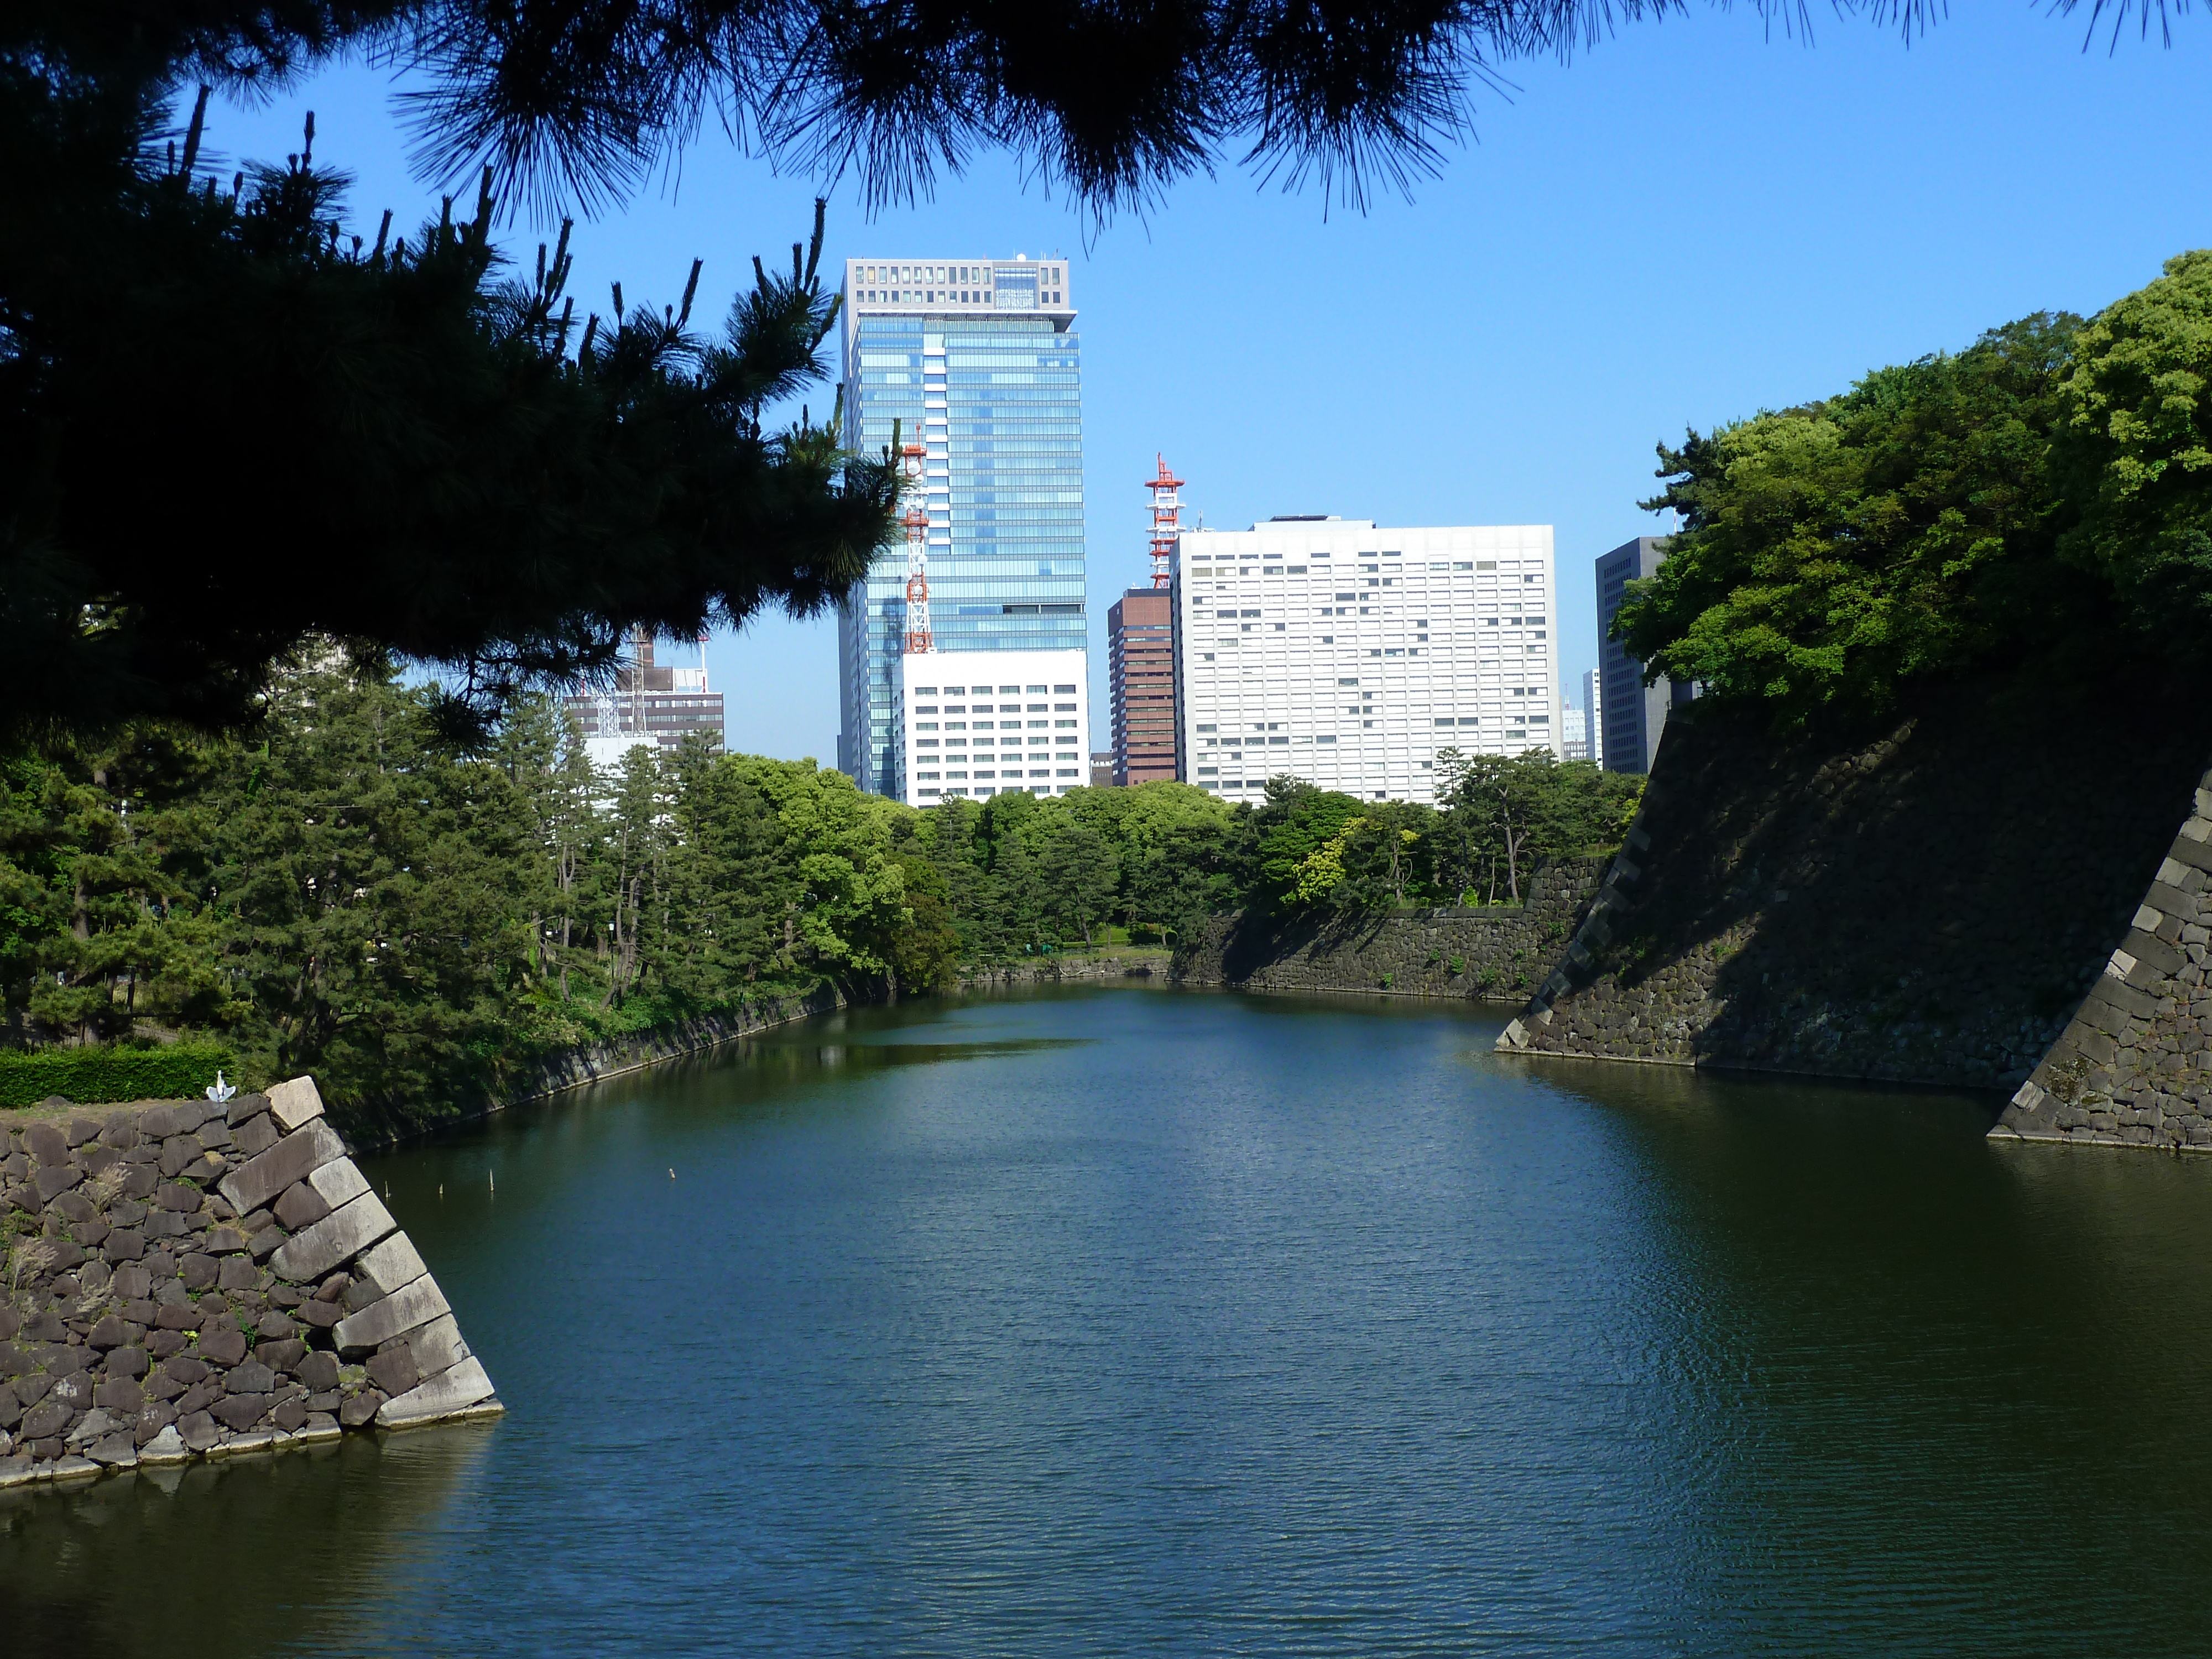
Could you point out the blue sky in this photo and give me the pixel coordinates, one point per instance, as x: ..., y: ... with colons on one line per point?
x: 1689, y: 222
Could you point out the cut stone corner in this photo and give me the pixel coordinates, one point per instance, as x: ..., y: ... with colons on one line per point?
x: 332, y: 1282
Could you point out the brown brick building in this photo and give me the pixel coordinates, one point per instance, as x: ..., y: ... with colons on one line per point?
x: 1140, y: 666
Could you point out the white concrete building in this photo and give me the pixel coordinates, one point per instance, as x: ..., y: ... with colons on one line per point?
x: 1349, y: 654
x: 972, y: 723
x: 1594, y: 715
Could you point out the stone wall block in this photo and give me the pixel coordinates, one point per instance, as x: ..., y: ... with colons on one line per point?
x: 448, y: 1395
x: 391, y: 1266
x: 2193, y: 851
x: 2139, y: 1005
x: 437, y: 1346
x: 296, y: 1104
x: 338, y: 1182
x: 297, y: 1156
x: 344, y: 1232
x: 396, y: 1315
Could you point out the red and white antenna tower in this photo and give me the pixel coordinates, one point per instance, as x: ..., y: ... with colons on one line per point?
x: 918, y: 641
x: 1167, y: 519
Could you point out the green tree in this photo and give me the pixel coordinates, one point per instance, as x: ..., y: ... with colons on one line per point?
x: 924, y: 953
x: 1079, y: 872
x: 1832, y: 553
x: 2135, y: 454
x: 1295, y: 822
x: 375, y: 894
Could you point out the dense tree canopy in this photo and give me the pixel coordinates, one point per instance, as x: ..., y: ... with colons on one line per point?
x: 2044, y: 495
x: 345, y: 892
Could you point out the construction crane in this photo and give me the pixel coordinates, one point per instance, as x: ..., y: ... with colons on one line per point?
x: 1167, y: 519
x: 918, y: 641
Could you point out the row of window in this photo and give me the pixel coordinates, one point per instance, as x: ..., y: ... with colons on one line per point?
x: 985, y: 795
x: 1256, y: 564
x: 985, y: 726
x: 985, y: 691
x: 983, y: 743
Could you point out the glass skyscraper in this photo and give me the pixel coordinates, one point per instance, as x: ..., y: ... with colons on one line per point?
x: 978, y: 360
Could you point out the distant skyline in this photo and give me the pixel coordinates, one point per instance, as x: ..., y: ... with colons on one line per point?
x: 1690, y: 223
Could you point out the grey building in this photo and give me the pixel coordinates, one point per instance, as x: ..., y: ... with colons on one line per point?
x: 1634, y: 713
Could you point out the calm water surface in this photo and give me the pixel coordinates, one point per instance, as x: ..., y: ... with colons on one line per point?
x: 1127, y: 1321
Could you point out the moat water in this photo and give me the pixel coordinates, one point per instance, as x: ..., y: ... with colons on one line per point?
x: 1115, y: 1321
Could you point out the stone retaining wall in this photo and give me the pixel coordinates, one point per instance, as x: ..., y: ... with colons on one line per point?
x: 2134, y: 1066
x: 1494, y: 953
x: 191, y: 1279
x: 1055, y: 970
x: 573, y: 1068
x: 1930, y: 905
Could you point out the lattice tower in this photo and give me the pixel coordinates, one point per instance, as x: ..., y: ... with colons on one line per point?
x: 918, y: 639
x: 1167, y: 519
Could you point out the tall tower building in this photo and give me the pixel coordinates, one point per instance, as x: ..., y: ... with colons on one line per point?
x: 1594, y: 715
x: 1634, y: 713
x: 978, y: 361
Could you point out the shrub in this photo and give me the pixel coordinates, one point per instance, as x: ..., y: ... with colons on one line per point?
x: 92, y: 1075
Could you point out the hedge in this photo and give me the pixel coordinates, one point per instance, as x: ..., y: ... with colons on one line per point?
x: 91, y: 1075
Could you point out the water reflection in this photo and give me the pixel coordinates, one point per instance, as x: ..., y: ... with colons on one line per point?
x: 296, y: 1552
x: 1103, y: 1320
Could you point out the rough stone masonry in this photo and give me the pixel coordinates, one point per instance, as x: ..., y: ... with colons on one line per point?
x: 2134, y: 1066
x: 191, y: 1278
x: 1939, y: 903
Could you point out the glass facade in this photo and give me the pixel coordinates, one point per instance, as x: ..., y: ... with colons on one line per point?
x: 986, y: 372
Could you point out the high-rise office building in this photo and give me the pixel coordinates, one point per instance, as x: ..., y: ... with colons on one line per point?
x: 1141, y: 684
x: 1635, y: 714
x: 954, y: 738
x: 1593, y: 716
x: 1351, y: 654
x: 649, y: 704
x: 978, y: 361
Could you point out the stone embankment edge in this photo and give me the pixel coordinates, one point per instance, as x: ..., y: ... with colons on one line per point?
x: 599, y: 1062
x: 2133, y: 1067
x: 2100, y: 1083
x: 1595, y: 933
x: 294, y: 1229
x: 1060, y: 969
x: 1468, y: 954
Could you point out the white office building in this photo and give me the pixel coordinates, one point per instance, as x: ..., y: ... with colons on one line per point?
x: 978, y: 723
x: 1594, y: 715
x: 1350, y: 654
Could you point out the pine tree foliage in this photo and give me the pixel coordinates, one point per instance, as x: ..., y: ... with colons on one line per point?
x: 228, y: 425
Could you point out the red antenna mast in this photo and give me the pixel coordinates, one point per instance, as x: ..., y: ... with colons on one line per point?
x: 918, y: 641
x: 1167, y: 519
